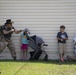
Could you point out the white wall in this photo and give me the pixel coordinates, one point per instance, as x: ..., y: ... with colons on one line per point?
x: 43, y: 18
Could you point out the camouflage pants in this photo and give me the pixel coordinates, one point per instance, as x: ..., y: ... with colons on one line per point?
x: 9, y: 44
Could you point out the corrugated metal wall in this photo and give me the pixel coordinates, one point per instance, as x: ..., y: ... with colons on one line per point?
x: 41, y: 17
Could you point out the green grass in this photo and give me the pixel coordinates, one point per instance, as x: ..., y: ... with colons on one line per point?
x: 37, y: 68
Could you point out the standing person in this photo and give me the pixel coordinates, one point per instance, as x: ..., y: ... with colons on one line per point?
x: 62, y: 37
x: 8, y: 30
x: 24, y: 43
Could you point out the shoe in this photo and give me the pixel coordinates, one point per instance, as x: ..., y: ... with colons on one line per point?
x: 62, y: 60
x: 15, y: 58
x: 23, y: 59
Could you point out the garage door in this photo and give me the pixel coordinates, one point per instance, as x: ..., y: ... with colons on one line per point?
x: 43, y: 18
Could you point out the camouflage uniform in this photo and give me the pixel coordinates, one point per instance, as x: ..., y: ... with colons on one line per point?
x: 7, y: 42
x: 2, y: 43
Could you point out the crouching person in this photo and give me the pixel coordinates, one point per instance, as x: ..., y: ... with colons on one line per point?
x: 73, y: 57
x: 8, y: 30
x: 62, y: 37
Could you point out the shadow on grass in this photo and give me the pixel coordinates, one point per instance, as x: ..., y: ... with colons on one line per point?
x: 42, y: 61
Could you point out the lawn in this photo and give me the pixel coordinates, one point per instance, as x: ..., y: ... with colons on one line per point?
x: 37, y: 68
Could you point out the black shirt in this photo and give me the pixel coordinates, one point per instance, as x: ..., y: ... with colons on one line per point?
x: 62, y: 36
x: 7, y: 36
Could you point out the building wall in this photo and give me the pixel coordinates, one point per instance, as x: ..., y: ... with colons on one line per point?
x: 43, y: 18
